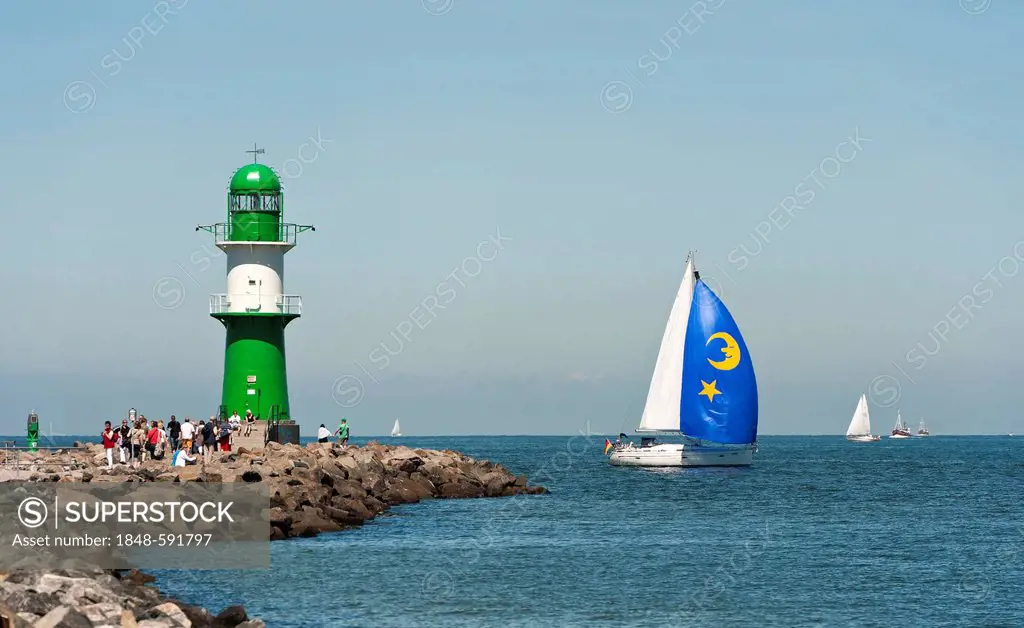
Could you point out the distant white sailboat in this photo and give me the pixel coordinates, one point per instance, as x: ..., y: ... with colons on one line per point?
x: 860, y: 426
x: 703, y: 389
x: 397, y: 429
x: 900, y: 430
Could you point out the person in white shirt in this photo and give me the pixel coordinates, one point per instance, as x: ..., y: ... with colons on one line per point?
x: 323, y: 435
x: 181, y: 458
x: 188, y: 431
x: 235, y: 421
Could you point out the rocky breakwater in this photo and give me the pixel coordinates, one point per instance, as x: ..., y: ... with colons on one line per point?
x: 89, y: 598
x: 319, y: 488
x: 313, y: 488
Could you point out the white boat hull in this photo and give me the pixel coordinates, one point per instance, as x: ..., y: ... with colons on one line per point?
x: 898, y: 436
x: 677, y: 455
x: 863, y: 439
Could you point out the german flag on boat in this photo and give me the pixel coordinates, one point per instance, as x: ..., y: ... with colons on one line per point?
x: 607, y: 446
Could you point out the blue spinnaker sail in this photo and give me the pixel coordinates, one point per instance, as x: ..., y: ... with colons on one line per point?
x: 719, y: 396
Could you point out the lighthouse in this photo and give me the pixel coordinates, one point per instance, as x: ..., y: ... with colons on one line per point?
x: 255, y: 309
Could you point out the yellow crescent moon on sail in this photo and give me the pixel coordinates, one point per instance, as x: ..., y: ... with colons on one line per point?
x: 731, y: 351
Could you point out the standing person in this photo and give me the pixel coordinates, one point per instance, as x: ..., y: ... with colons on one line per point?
x: 225, y: 436
x: 135, y: 440
x: 323, y: 434
x: 138, y: 438
x: 161, y: 446
x: 125, y: 433
x: 250, y: 421
x: 342, y: 433
x: 109, y: 442
x: 152, y: 440
x: 173, y: 432
x: 209, y: 440
x: 188, y: 432
x: 199, y: 439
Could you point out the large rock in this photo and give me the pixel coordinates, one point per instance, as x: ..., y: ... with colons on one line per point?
x: 462, y: 489
x: 63, y: 617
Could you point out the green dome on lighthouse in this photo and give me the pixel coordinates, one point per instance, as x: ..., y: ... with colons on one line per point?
x: 255, y: 178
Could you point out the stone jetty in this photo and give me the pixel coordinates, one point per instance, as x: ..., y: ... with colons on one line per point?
x: 312, y: 489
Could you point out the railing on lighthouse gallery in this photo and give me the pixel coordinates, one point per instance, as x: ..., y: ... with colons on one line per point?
x: 286, y: 303
x: 287, y: 233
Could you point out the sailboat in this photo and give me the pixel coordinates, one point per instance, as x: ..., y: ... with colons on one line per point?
x: 922, y: 430
x: 397, y: 429
x: 703, y: 388
x: 860, y: 426
x: 900, y: 430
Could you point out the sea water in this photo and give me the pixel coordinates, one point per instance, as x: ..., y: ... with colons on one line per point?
x: 819, y: 532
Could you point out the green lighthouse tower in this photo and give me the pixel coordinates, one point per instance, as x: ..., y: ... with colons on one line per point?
x: 255, y: 310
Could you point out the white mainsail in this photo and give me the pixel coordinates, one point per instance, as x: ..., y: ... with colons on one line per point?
x: 860, y: 425
x: 661, y: 413
x: 396, y: 430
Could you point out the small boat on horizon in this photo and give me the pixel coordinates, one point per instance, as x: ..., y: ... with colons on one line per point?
x: 396, y: 430
x: 860, y: 425
x: 922, y: 430
x: 900, y: 430
x: 702, y: 390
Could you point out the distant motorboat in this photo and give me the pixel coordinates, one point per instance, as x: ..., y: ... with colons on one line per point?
x: 397, y: 429
x: 922, y: 430
x: 860, y: 426
x: 900, y: 430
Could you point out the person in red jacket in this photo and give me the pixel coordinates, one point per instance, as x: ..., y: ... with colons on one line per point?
x: 109, y: 442
x: 152, y: 440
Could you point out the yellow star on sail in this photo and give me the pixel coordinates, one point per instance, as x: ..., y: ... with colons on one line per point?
x: 710, y: 390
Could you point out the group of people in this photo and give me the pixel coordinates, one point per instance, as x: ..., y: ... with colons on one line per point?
x: 138, y: 439
x: 323, y: 435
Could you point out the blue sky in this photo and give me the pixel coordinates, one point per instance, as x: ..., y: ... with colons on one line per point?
x: 439, y: 130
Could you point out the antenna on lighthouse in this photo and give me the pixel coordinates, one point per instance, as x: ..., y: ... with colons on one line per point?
x: 256, y: 151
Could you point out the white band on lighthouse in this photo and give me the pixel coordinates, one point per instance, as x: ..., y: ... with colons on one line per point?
x: 255, y: 280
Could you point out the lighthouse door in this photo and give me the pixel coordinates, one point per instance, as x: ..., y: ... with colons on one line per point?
x: 251, y: 394
x: 252, y: 291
